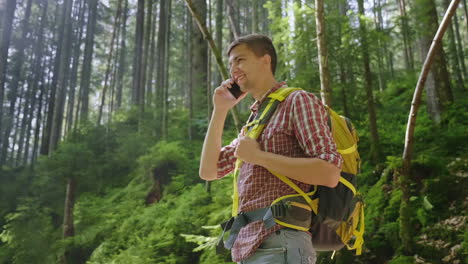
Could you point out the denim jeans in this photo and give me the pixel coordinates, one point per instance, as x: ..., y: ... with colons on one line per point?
x: 285, y: 246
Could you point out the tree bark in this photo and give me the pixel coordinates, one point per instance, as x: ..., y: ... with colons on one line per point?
x: 465, y: 8
x: 255, y: 17
x: 438, y: 90
x: 378, y: 20
x: 199, y: 62
x: 189, y: 94
x: 123, y: 54
x: 407, y: 49
x: 149, y: 82
x: 460, y: 46
x: 137, y: 61
x: 231, y: 11
x: 219, y: 35
x: 148, y: 31
x: 68, y: 226
x: 5, y: 38
x: 109, y: 60
x: 375, y: 152
x: 38, y: 77
x: 216, y: 52
x: 33, y: 83
x: 37, y: 129
x: 165, y: 86
x: 161, y: 66
x: 77, y: 40
x: 17, y: 76
x: 63, y: 73
x: 87, y: 61
x: 17, y: 127
x: 405, y: 226
x: 453, y: 53
x: 52, y: 85
x: 325, y: 90
x: 208, y: 67
x: 342, y: 7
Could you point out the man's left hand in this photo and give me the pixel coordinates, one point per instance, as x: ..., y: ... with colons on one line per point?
x: 248, y: 150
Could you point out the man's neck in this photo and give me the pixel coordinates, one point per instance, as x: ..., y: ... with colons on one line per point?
x: 263, y: 87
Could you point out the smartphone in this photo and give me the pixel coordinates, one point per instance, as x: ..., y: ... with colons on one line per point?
x: 235, y: 90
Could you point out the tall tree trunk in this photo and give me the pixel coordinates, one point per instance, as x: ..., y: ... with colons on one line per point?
x: 149, y: 82
x: 77, y: 40
x: 87, y: 61
x: 222, y: 68
x: 19, y: 109
x: 17, y: 76
x: 189, y: 96
x: 208, y: 66
x: 166, y: 72
x: 233, y: 21
x: 68, y: 226
x: 378, y: 20
x: 5, y: 37
x: 109, y: 60
x: 465, y: 8
x: 460, y: 46
x: 63, y: 73
x: 325, y: 90
x: 29, y: 98
x: 375, y: 152
x: 52, y: 85
x: 438, y: 90
x: 44, y: 141
x: 453, y: 53
x: 219, y: 34
x: 199, y: 60
x: 37, y: 128
x: 161, y: 57
x: 123, y: 55
x: 146, y: 46
x: 406, y: 209
x: 32, y: 88
x: 113, y: 84
x: 342, y: 9
x: 209, y: 78
x: 407, y: 48
x: 255, y: 23
x: 137, y: 61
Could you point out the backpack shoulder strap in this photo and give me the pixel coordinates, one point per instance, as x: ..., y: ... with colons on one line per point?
x: 255, y: 129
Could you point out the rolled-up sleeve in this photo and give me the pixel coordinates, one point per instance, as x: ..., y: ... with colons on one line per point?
x: 227, y: 160
x: 310, y: 123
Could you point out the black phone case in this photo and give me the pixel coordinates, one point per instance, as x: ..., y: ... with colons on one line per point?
x: 235, y: 90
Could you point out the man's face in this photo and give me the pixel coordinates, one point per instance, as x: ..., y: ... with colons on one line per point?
x: 245, y: 67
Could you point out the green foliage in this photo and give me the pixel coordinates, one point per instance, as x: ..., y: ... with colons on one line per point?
x: 22, y: 242
x: 402, y: 260
x: 162, y: 154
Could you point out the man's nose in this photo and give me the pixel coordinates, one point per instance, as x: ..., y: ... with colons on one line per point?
x: 234, y: 69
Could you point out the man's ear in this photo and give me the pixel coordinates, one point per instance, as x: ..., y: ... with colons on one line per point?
x: 267, y: 60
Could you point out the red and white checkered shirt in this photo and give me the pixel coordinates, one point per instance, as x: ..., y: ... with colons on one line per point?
x: 298, y: 128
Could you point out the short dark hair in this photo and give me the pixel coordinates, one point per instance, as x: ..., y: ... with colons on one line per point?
x: 259, y: 44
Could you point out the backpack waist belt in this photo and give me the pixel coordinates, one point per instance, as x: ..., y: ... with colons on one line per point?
x: 242, y: 219
x: 291, y: 209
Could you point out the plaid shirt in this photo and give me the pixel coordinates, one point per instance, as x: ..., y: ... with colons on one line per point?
x: 298, y: 128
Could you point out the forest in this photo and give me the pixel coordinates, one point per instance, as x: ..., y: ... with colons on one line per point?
x: 104, y: 106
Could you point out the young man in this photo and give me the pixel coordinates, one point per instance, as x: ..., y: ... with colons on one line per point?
x: 296, y: 143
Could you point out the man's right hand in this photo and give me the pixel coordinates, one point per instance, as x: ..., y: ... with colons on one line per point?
x: 223, y: 100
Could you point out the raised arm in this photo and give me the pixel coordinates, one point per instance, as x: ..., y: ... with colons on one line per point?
x: 223, y: 101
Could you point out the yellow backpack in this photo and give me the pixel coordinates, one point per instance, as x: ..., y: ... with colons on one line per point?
x: 337, y: 213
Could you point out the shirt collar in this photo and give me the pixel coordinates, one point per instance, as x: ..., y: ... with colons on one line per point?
x: 254, y: 107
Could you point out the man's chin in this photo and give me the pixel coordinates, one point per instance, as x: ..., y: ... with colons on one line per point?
x: 243, y: 87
